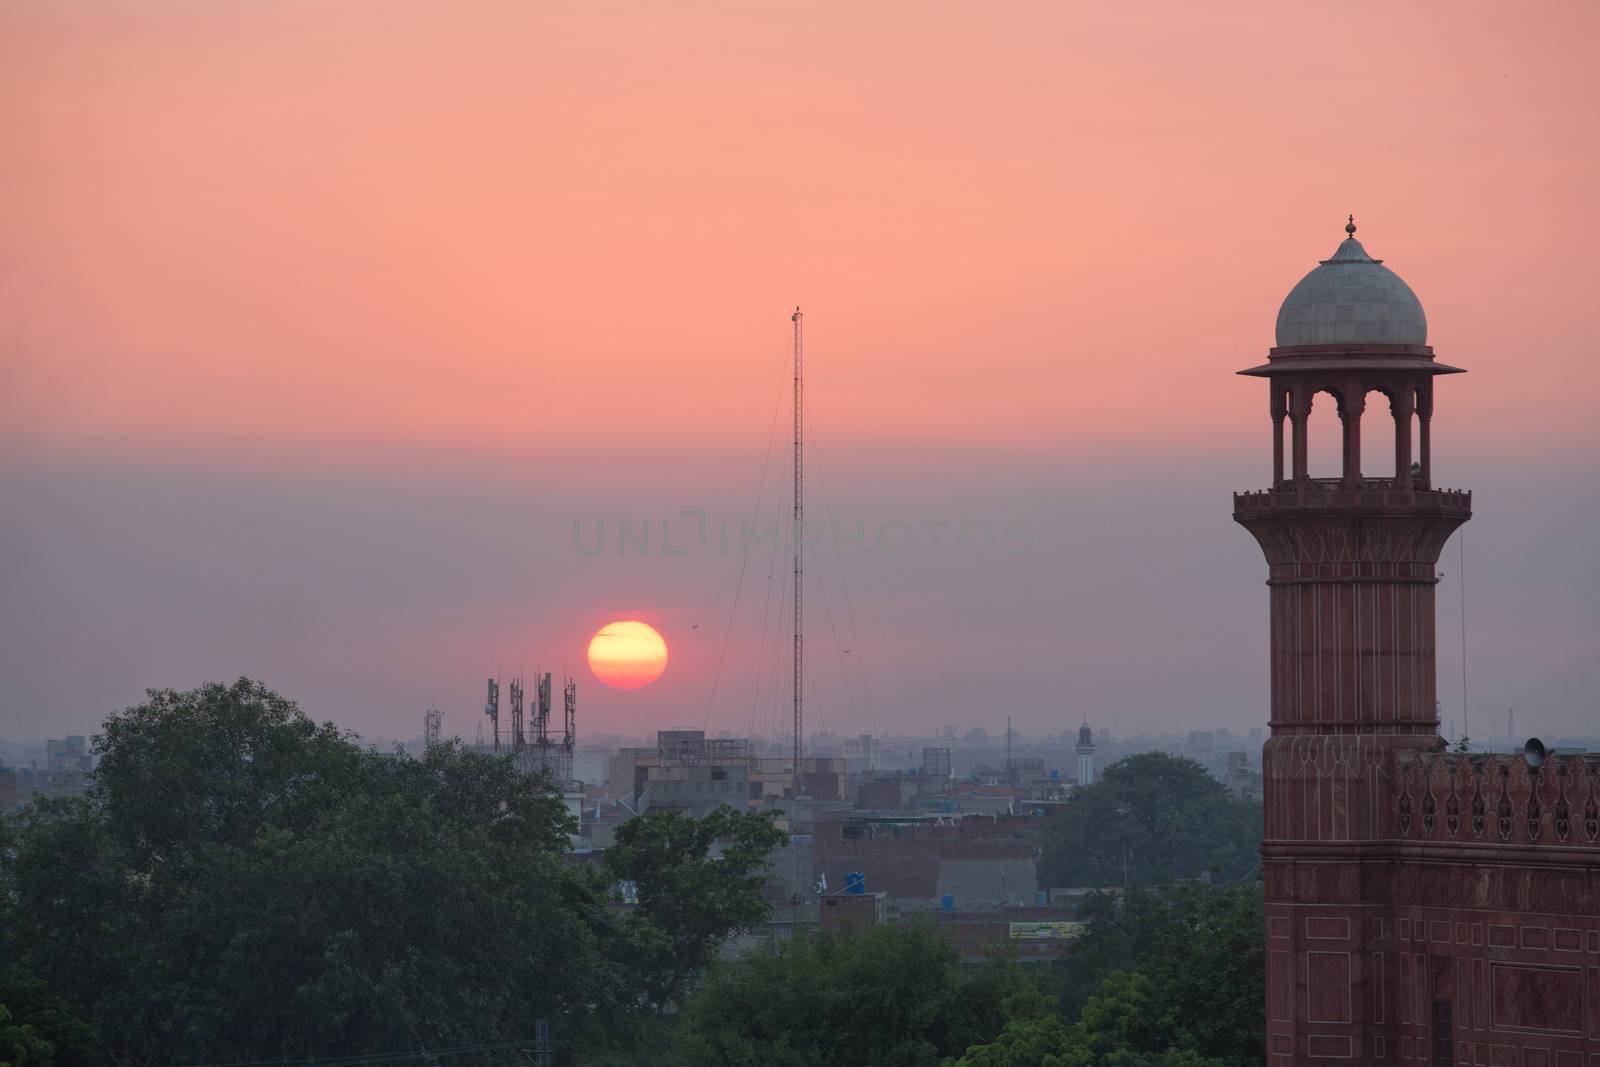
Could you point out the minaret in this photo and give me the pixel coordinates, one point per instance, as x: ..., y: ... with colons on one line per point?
x: 1085, y: 754
x: 1351, y: 573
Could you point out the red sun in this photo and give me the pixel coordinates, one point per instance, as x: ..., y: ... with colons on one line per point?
x: 627, y: 655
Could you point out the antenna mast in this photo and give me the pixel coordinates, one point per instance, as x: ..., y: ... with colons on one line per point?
x: 799, y: 532
x: 518, y: 739
x: 491, y: 708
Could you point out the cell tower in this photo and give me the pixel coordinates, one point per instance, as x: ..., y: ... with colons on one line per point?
x: 491, y: 708
x: 432, y: 726
x: 569, y: 733
x: 519, y: 740
x: 799, y: 543
x: 530, y: 742
x: 541, y: 721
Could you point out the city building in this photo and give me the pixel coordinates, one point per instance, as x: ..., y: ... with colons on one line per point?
x: 68, y: 763
x: 694, y: 773
x: 935, y: 767
x: 1422, y: 906
x: 978, y: 862
x: 1242, y: 782
x: 1027, y: 933
x: 17, y: 786
x: 1085, y: 754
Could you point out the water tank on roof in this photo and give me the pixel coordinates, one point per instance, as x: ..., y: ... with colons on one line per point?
x: 855, y: 882
x: 947, y: 902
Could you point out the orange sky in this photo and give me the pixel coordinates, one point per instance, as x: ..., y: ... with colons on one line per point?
x: 559, y: 242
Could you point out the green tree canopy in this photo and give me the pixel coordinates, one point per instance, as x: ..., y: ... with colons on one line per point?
x: 1200, y: 948
x: 887, y: 996
x: 21, y: 1045
x: 1151, y: 818
x: 244, y: 884
x: 699, y: 882
x: 1124, y: 1025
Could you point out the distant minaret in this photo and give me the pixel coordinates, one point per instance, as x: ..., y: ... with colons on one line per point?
x: 1085, y: 753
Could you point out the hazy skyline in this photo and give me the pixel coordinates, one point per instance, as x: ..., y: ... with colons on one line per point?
x: 322, y: 326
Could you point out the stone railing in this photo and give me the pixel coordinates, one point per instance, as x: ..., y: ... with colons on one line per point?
x: 1497, y: 799
x: 1328, y: 493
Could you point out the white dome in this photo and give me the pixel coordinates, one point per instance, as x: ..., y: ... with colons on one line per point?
x: 1351, y: 299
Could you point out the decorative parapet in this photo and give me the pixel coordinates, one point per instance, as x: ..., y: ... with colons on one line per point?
x: 1321, y: 495
x: 1497, y: 799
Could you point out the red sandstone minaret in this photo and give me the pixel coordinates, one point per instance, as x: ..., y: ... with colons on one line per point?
x: 1351, y: 581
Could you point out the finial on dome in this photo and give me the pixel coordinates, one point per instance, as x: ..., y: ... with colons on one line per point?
x: 1350, y: 228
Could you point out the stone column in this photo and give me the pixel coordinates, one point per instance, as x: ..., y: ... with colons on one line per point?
x: 1424, y: 417
x: 1299, y: 411
x: 1403, y: 405
x: 1351, y: 414
x: 1277, y: 435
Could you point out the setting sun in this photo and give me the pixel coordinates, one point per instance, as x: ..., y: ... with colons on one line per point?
x: 627, y: 655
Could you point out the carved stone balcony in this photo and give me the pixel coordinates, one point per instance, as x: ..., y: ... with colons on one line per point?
x: 1497, y: 799
x: 1323, y: 494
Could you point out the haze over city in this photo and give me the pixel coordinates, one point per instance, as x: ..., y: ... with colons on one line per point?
x: 332, y: 336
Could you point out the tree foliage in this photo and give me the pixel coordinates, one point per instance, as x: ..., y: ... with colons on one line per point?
x: 21, y: 1045
x: 1151, y: 818
x: 1123, y: 1025
x: 698, y: 881
x: 245, y: 884
x: 887, y: 996
x: 1201, y: 950
x: 1166, y: 977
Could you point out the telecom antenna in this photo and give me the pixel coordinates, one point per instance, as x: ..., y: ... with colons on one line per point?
x: 569, y: 731
x: 518, y: 740
x: 491, y: 708
x: 799, y: 532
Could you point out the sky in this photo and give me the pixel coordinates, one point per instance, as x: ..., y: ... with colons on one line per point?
x: 352, y: 346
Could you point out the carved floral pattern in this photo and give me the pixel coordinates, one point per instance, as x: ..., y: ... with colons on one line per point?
x: 1498, y: 797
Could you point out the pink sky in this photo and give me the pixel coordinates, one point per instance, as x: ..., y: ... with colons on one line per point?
x: 429, y: 255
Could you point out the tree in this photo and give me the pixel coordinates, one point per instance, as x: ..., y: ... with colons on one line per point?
x: 699, y: 882
x: 211, y: 766
x: 1201, y: 950
x: 1207, y: 967
x: 21, y: 1045
x: 1122, y: 1026
x: 242, y: 884
x: 1152, y: 817
x: 1033, y: 1037
x: 896, y: 995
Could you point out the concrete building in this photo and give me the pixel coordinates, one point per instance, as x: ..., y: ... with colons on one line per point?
x: 68, y: 765
x: 842, y: 911
x: 1422, y: 906
x: 860, y: 753
x: 886, y: 791
x: 1241, y: 781
x: 17, y: 786
x: 979, y: 862
x: 935, y: 768
x: 692, y: 773
x: 1028, y: 933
